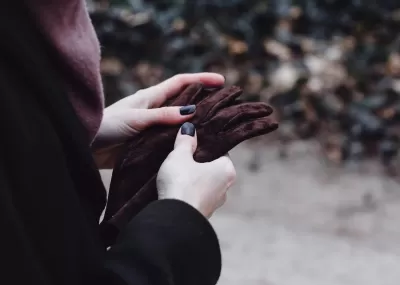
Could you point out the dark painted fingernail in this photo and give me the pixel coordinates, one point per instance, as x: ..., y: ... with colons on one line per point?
x: 188, y: 129
x: 187, y: 110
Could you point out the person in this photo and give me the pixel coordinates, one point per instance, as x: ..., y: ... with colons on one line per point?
x: 54, y: 131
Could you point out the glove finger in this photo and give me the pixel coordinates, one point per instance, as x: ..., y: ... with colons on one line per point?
x: 135, y: 204
x: 250, y: 129
x: 219, y: 100
x: 139, y: 151
x: 222, y: 142
x: 248, y: 112
x: 129, y: 154
x: 113, y: 224
x: 116, y: 179
x: 192, y: 94
x: 206, y: 92
x: 124, y: 185
x: 183, y: 98
x: 228, y: 117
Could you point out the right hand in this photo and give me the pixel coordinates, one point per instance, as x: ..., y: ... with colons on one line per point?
x: 202, y: 185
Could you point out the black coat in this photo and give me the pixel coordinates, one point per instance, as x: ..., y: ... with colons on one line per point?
x: 51, y: 193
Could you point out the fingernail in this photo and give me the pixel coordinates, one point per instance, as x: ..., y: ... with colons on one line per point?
x: 188, y: 129
x: 187, y: 110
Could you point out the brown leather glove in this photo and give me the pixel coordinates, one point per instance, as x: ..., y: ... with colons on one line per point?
x: 221, y: 121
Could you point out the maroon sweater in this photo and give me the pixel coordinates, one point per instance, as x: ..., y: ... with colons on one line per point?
x: 67, y: 25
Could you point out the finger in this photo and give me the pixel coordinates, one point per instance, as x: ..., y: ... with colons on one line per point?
x: 143, y: 118
x: 186, y: 140
x: 159, y: 93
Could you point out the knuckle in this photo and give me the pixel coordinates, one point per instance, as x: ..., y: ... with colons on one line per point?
x: 180, y: 152
x: 175, y: 155
x: 222, y: 200
x: 172, y: 162
x: 140, y: 92
x: 180, y: 78
x: 141, y: 98
x: 224, y: 197
x: 231, y: 172
x: 163, y: 113
x: 229, y: 169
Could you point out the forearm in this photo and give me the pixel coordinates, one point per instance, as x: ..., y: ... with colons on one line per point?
x: 170, y: 243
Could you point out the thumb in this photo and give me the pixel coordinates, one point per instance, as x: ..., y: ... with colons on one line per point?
x: 186, y: 140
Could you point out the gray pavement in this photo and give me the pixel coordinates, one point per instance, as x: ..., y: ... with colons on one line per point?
x: 301, y: 222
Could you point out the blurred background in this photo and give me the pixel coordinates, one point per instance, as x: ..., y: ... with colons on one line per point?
x: 318, y: 201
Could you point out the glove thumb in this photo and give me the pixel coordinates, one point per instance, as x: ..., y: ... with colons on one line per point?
x: 186, y: 140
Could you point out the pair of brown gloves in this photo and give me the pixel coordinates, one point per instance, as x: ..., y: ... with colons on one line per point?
x: 222, y: 121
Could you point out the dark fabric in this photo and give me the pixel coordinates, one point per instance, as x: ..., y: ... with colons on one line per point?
x: 169, y: 241
x: 52, y: 196
x: 221, y: 121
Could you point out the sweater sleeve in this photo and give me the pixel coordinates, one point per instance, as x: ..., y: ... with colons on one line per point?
x: 170, y: 243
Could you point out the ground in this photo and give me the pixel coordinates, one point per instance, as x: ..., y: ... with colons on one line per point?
x: 300, y: 222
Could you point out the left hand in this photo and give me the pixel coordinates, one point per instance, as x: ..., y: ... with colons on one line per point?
x: 135, y: 113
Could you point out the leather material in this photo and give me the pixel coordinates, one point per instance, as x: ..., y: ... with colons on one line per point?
x: 221, y: 121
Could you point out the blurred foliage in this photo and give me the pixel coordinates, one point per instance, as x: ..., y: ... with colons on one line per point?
x: 331, y: 68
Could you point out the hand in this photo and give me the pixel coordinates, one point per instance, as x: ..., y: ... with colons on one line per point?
x: 202, y: 185
x: 141, y: 110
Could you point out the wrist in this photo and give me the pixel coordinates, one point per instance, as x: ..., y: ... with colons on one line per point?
x: 191, y: 202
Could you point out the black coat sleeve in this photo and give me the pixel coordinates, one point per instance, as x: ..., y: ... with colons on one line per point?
x: 169, y: 243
